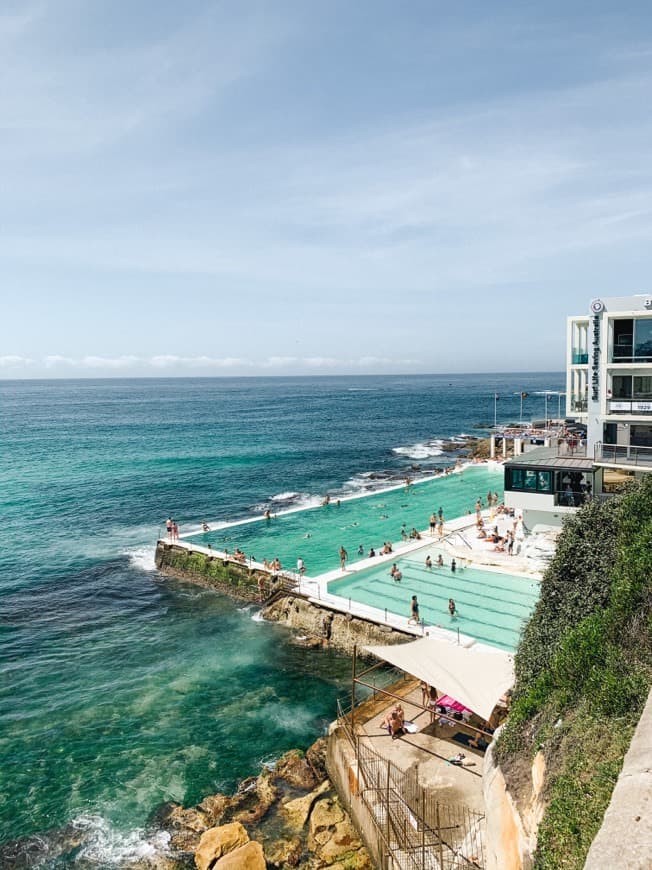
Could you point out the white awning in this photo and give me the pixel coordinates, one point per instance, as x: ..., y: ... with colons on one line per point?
x: 476, y: 677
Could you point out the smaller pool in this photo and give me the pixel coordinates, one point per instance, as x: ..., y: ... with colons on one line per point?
x: 491, y: 607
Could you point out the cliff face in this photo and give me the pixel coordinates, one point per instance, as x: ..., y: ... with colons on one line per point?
x: 340, y: 630
x: 511, y: 828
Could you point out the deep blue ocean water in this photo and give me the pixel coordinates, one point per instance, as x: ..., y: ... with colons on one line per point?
x: 120, y: 689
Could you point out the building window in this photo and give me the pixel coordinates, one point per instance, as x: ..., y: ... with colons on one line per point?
x: 529, y: 480
x: 544, y: 481
x: 643, y: 388
x: 632, y: 340
x: 621, y: 386
x: 643, y: 339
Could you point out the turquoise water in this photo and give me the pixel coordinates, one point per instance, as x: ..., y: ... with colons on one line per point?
x: 316, y: 534
x: 491, y: 606
x: 120, y: 689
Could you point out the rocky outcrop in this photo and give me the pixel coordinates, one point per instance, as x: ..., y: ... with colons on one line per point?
x: 340, y: 630
x: 332, y: 836
x: 216, y: 842
x: 286, y: 817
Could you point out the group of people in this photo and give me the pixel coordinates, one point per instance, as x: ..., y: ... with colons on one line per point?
x: 440, y: 563
x: 394, y: 721
x: 172, y: 529
x: 502, y: 543
x: 436, y: 523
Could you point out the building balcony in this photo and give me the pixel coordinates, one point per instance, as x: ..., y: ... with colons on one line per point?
x: 637, y: 407
x: 579, y: 406
x: 623, y: 454
x: 580, y: 358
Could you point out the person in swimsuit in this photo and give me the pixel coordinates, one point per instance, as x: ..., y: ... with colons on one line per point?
x: 452, y: 609
x: 428, y: 563
x: 414, y: 611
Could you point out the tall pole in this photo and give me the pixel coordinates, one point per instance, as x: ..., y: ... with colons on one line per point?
x: 559, y: 405
x: 495, y: 404
x: 355, y: 655
x: 545, y: 399
x: 520, y: 417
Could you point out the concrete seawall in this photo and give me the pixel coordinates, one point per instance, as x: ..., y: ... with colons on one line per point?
x: 283, y: 602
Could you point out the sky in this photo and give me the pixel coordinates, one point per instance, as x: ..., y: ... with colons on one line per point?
x: 324, y: 187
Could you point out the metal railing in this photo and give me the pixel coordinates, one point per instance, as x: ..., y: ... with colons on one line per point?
x: 571, y: 447
x: 415, y: 829
x: 622, y: 454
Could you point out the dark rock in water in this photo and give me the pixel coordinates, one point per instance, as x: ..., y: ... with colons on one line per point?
x: 294, y: 769
x: 32, y: 851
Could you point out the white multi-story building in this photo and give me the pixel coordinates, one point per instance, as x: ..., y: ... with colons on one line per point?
x: 609, y: 390
x: 609, y: 380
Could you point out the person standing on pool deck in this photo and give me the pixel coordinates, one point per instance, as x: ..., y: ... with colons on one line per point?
x: 343, y: 557
x: 433, y: 523
x: 452, y: 609
x: 414, y: 611
x: 440, y: 514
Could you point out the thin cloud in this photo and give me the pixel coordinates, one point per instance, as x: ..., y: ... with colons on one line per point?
x: 12, y: 360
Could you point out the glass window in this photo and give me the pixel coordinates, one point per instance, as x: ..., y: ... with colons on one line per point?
x: 544, y: 482
x: 621, y: 387
x: 516, y: 475
x: 641, y: 436
x: 643, y: 388
x: 643, y: 338
x: 530, y: 479
x: 623, y: 339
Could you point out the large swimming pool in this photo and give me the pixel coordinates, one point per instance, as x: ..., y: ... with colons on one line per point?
x: 316, y: 534
x: 491, y: 606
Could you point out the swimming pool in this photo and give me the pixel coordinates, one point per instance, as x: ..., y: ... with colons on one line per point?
x: 316, y: 534
x: 491, y: 606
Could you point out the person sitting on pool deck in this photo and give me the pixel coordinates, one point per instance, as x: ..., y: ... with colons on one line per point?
x: 396, y: 711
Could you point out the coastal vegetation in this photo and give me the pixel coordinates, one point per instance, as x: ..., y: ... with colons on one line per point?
x: 583, y: 671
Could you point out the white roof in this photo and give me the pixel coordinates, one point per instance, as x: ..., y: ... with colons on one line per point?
x: 476, y: 677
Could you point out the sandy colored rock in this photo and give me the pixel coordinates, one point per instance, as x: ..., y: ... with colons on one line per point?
x: 316, y: 757
x: 331, y: 833
x: 247, y: 857
x: 265, y: 789
x: 217, y: 842
x: 293, y: 768
x: 214, y: 807
x: 284, y: 853
x: 297, y: 811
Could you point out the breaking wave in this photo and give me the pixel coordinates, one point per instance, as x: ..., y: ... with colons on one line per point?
x: 420, y: 450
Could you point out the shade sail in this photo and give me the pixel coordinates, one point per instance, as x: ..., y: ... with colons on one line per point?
x: 475, y: 676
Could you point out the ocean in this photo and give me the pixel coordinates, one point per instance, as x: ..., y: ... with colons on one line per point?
x: 120, y: 689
